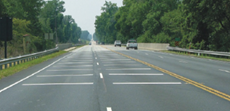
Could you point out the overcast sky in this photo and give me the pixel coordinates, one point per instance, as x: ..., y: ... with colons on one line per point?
x: 85, y: 11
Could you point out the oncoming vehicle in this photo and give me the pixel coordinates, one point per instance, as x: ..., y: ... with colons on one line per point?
x: 117, y: 43
x: 132, y: 44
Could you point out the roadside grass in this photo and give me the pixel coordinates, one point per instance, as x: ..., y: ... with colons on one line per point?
x: 12, y: 70
x: 201, y: 56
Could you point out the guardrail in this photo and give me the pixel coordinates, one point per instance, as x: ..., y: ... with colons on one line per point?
x: 215, y: 53
x: 9, y: 62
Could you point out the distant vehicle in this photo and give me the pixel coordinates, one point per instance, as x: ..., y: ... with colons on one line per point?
x: 132, y: 44
x: 117, y: 43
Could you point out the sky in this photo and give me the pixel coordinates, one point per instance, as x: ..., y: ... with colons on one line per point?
x: 84, y: 12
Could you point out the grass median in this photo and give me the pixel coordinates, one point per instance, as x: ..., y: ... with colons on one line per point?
x: 20, y: 67
x: 201, y: 56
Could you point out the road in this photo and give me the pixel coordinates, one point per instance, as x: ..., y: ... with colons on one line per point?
x: 107, y: 78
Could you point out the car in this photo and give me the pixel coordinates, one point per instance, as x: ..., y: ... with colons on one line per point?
x: 117, y: 43
x: 132, y: 44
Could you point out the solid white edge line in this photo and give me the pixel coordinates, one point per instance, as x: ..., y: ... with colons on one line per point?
x: 133, y: 74
x: 109, y: 109
x: 34, y: 73
x: 145, y: 83
x: 101, y: 75
x: 64, y: 75
x: 49, y: 84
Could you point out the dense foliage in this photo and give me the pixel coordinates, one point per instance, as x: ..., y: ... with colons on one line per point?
x: 35, y: 18
x: 199, y: 24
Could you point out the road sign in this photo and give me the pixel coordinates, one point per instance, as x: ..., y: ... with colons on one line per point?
x: 177, y: 39
x: 5, y: 28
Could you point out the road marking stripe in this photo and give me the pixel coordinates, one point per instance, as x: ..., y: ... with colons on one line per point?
x: 51, y: 84
x: 123, y: 64
x: 131, y: 69
x: 146, y: 54
x: 146, y: 83
x: 137, y: 74
x: 109, y: 109
x: 224, y: 70
x: 97, y: 63
x: 101, y: 75
x: 67, y: 69
x: 35, y: 73
x: 194, y: 83
x: 64, y: 75
x: 161, y: 57
x: 183, y: 61
x: 75, y: 66
x: 114, y: 59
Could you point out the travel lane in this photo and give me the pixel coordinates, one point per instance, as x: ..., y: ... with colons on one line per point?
x: 210, y: 73
x: 70, y: 84
x: 136, y: 88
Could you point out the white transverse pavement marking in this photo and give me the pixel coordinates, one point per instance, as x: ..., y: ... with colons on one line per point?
x: 161, y: 57
x: 64, y: 75
x: 52, y: 84
x: 135, y: 74
x: 109, y: 109
x: 146, y: 83
x: 131, y: 69
x: 123, y: 64
x: 34, y: 73
x: 146, y: 54
x: 75, y: 66
x: 183, y: 61
x: 68, y: 69
x: 101, y: 75
x: 224, y: 70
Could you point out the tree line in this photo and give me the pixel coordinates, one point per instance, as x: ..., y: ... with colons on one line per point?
x: 197, y: 24
x: 35, y: 18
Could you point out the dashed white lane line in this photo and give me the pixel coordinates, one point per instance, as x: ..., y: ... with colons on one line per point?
x: 161, y: 57
x: 109, y: 109
x: 146, y: 54
x: 101, y: 75
x: 95, y: 57
x: 131, y: 69
x: 224, y: 70
x: 146, y: 83
x: 136, y: 74
x: 64, y: 75
x: 97, y: 63
x: 54, y: 84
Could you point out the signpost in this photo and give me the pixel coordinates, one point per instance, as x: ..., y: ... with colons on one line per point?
x: 5, y: 31
x: 177, y: 41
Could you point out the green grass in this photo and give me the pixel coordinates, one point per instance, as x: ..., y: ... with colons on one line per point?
x: 12, y: 70
x: 201, y: 56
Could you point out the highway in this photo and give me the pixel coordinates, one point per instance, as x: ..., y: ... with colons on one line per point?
x: 108, y: 78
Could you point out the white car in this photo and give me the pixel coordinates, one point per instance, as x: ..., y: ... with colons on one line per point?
x: 132, y: 44
x: 117, y: 43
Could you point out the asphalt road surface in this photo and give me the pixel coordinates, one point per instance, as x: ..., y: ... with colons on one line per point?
x: 107, y: 78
